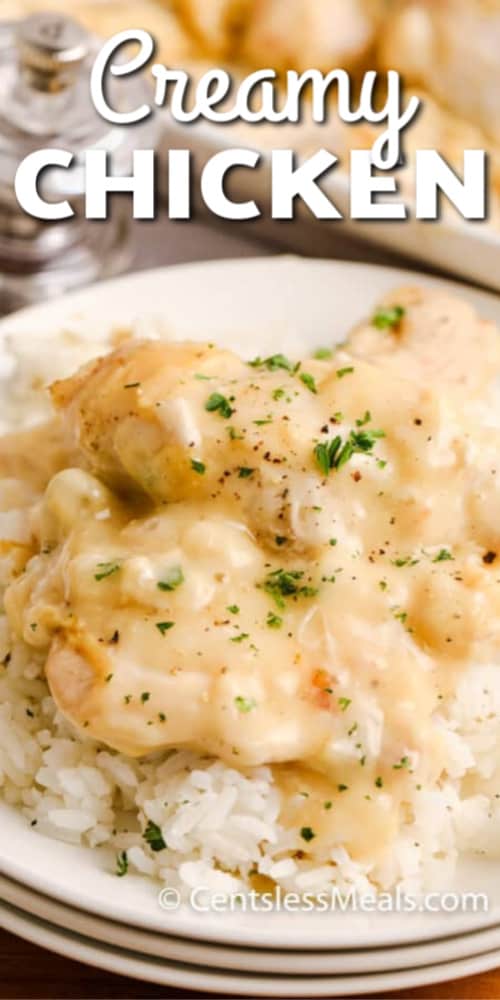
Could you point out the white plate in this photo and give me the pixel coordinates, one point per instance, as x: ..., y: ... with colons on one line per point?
x: 166, y: 973
x: 254, y: 306
x: 331, y: 963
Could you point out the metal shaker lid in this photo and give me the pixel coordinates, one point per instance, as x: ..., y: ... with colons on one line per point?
x: 52, y: 49
x: 45, y: 65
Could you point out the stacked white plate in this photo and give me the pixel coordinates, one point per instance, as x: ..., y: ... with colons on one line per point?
x: 65, y: 897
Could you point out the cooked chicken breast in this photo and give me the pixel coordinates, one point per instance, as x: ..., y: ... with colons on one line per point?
x: 256, y: 551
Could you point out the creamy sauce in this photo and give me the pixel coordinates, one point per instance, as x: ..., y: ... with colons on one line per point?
x: 277, y: 564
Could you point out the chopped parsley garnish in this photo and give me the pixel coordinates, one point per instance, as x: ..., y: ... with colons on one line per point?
x: 154, y: 837
x: 245, y: 473
x: 173, y: 579
x: 132, y: 385
x: 343, y: 788
x: 217, y: 403
x: 105, y: 569
x: 344, y: 371
x: 379, y: 782
x: 404, y: 561
x: 234, y: 609
x: 162, y: 717
x: 309, y: 381
x: 443, y: 556
x: 326, y: 454
x: 335, y: 453
x: 307, y: 834
x: 388, y: 318
x: 274, y: 363
x: 280, y: 540
x: 198, y: 467
x: 122, y: 864
x: 344, y: 703
x: 363, y: 421
x: 286, y: 583
x: 234, y: 434
x: 404, y: 763
x: 241, y: 637
x: 323, y: 354
x: 278, y: 394
x: 108, y: 678
x: 327, y: 805
x: 145, y: 696
x: 164, y: 626
x: 274, y: 621
x: 245, y: 705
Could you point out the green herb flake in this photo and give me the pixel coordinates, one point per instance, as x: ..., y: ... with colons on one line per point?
x: 341, y: 372
x: 334, y: 454
x: 444, y: 555
x: 164, y: 627
x: 108, y: 678
x: 241, y: 637
x: 217, y: 403
x: 198, y: 467
x: 273, y: 364
x: 121, y: 864
x: 105, y: 569
x: 245, y: 473
x: 274, y: 621
x: 344, y: 703
x: 404, y: 764
x: 323, y: 354
x: 145, y: 696
x: 379, y: 782
x: 280, y: 540
x: 132, y: 385
x: 233, y: 609
x: 327, y: 805
x: 154, y: 837
x: 245, y: 705
x: 286, y: 583
x: 342, y: 788
x: 173, y: 579
x: 307, y: 834
x: 388, y: 318
x: 309, y: 382
x: 363, y: 421
x: 234, y: 434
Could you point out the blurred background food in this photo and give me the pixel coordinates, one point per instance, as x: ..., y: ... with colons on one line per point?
x: 447, y: 50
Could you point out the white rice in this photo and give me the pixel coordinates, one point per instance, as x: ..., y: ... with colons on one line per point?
x: 220, y: 824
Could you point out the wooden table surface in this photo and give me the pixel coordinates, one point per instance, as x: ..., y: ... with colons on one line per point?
x: 31, y: 973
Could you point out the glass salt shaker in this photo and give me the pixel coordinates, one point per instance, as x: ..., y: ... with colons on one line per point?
x: 45, y: 64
